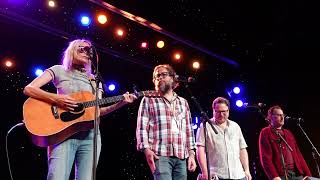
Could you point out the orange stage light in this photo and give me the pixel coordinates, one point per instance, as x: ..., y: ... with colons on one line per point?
x: 102, y: 19
x: 160, y: 44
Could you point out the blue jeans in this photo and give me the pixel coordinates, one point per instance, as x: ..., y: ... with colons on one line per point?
x: 78, y: 148
x: 170, y: 168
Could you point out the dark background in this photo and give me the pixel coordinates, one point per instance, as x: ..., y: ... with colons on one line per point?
x: 274, y: 45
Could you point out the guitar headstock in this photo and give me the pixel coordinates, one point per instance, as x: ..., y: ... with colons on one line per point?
x: 148, y: 93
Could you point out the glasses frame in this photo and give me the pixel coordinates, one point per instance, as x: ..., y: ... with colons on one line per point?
x: 162, y: 75
x: 85, y: 49
x: 223, y: 112
x: 278, y: 115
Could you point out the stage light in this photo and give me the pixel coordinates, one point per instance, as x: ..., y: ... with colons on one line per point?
x: 236, y: 90
x: 111, y: 87
x: 177, y: 56
x: 196, y: 65
x: 85, y: 20
x: 102, y: 19
x: 120, y: 32
x: 8, y: 63
x: 38, y: 72
x: 239, y: 103
x: 51, y: 3
x: 144, y: 45
x: 160, y: 44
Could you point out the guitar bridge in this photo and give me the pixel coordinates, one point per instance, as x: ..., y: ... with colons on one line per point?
x: 54, y: 110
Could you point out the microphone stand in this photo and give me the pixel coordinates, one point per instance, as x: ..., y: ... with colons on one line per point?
x: 281, y: 151
x: 205, y: 120
x: 95, y: 124
x: 314, y: 150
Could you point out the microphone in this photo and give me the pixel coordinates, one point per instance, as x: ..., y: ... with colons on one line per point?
x: 259, y: 105
x: 289, y: 118
x: 183, y: 79
x: 90, y: 52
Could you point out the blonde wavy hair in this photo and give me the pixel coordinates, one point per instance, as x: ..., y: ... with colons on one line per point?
x: 68, y: 55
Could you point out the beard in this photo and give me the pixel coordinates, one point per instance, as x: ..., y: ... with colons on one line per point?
x: 164, y: 87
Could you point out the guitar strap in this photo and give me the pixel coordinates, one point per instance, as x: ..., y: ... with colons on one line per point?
x: 93, y: 86
x: 211, y: 124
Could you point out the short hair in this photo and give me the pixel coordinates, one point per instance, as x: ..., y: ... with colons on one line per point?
x: 270, y: 111
x: 171, y: 71
x: 220, y: 100
x: 68, y: 55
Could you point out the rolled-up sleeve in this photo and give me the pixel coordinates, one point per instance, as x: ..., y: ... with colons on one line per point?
x: 190, y: 135
x: 142, y: 130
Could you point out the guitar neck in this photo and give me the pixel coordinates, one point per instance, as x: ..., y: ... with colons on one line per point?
x: 103, y: 101
x: 118, y: 98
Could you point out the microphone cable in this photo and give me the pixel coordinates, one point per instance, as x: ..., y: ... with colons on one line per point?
x: 7, y: 152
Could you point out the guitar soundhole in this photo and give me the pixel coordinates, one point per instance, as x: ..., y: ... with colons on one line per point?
x: 72, y: 115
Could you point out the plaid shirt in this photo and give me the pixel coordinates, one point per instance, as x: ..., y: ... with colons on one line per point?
x: 165, y: 127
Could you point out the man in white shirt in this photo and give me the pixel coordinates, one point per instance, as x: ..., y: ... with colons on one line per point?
x: 226, y: 150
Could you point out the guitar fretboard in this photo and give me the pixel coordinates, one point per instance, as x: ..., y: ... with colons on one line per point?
x: 115, y: 99
x: 103, y: 101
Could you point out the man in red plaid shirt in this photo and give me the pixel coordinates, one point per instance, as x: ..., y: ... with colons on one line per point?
x: 164, y: 131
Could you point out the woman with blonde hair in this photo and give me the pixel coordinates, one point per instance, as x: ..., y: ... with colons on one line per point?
x: 72, y: 76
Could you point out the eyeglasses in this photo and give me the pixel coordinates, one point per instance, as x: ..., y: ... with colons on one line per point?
x: 163, y: 75
x: 279, y: 115
x: 223, y: 111
x: 85, y: 49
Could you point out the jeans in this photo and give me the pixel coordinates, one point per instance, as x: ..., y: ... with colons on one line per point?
x: 292, y: 176
x: 234, y: 179
x: 170, y: 168
x: 78, y: 148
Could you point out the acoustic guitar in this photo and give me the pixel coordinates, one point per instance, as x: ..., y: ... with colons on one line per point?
x: 49, y: 124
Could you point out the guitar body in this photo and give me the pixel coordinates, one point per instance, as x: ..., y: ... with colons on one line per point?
x: 49, y: 124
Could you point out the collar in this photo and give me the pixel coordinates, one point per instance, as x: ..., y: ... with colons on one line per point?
x: 174, y: 97
x: 214, y: 121
x: 79, y: 68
